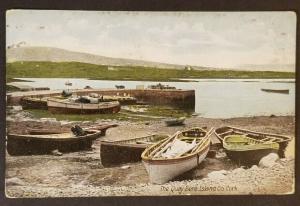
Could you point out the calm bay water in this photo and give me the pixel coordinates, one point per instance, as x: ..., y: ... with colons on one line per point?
x: 215, y: 98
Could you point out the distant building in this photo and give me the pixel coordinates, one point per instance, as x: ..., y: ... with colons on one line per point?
x: 110, y: 68
x: 189, y: 68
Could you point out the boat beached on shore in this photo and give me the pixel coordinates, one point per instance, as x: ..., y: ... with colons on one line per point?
x: 175, y: 121
x: 177, y: 154
x: 125, y: 151
x: 30, y: 144
x: 246, y: 150
x: 248, y: 147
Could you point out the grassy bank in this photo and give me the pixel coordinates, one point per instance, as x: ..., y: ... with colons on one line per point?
x: 92, y: 71
x: 150, y: 113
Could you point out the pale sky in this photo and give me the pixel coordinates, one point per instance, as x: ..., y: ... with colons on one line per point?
x: 216, y: 39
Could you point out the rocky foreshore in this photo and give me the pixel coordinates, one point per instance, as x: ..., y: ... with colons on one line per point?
x: 81, y: 174
x: 278, y: 179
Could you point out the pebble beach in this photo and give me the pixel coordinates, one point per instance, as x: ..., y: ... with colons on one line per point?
x: 80, y: 174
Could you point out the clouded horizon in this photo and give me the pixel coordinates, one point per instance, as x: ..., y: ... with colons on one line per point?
x: 214, y: 39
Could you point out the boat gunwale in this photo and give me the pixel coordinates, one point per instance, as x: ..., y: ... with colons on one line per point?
x: 103, y: 105
x: 200, y: 150
x: 124, y: 145
x: 137, y: 138
x: 94, y: 135
x: 278, y: 136
x: 125, y: 141
x: 178, y: 159
x: 226, y: 146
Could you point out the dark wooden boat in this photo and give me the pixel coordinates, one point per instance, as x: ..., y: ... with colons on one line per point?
x: 34, y: 103
x: 175, y: 121
x: 125, y: 151
x: 177, y: 154
x: 29, y: 144
x: 65, y: 107
x: 250, y: 146
x: 281, y: 91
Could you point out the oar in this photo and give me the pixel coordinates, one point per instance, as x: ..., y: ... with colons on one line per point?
x: 202, y: 142
x: 163, y: 144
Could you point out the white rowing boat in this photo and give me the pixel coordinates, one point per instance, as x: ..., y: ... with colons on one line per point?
x: 173, y: 156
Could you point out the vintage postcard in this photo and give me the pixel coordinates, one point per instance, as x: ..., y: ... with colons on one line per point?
x: 115, y: 103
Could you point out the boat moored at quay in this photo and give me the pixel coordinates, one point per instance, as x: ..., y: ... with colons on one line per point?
x: 66, y: 107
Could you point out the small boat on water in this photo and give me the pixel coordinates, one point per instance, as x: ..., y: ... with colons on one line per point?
x: 30, y: 144
x: 65, y: 106
x: 177, y: 154
x: 120, y: 86
x: 281, y: 91
x: 248, y: 147
x: 175, y: 121
x: 87, y: 87
x: 67, y: 83
x: 125, y: 151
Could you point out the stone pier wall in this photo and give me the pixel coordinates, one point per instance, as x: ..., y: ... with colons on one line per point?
x: 178, y: 98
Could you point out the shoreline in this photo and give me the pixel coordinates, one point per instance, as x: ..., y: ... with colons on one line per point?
x: 81, y: 173
x: 171, y: 79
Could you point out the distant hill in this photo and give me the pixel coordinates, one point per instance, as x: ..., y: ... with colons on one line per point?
x: 61, y: 55
x: 26, y: 53
x: 268, y: 67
